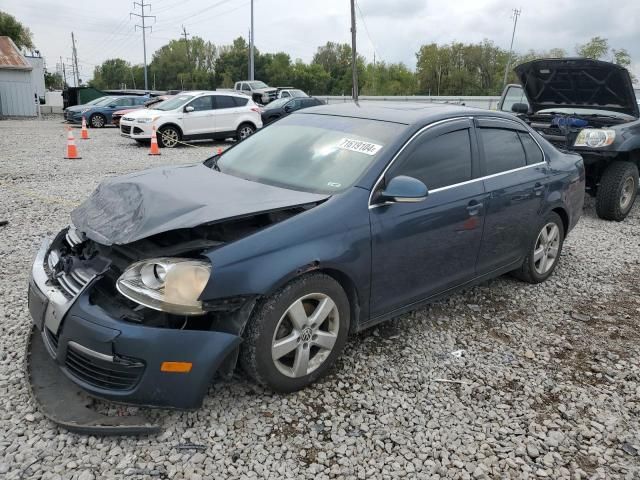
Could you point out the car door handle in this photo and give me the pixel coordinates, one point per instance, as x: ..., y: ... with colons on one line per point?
x: 474, y: 207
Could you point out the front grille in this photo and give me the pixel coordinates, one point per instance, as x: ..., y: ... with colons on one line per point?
x: 125, y: 128
x: 102, y: 373
x: 137, y: 131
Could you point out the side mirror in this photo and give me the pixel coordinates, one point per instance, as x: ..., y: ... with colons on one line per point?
x: 112, y: 106
x: 288, y: 108
x: 189, y: 108
x: 403, y: 189
x: 519, y: 108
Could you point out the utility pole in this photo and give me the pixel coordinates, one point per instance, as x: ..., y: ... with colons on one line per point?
x: 516, y: 14
x: 74, y: 56
x: 354, y: 55
x: 143, y: 27
x: 251, y: 62
x: 186, y: 40
x: 64, y: 73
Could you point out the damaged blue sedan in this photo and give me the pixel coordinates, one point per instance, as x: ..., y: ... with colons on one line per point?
x: 271, y: 254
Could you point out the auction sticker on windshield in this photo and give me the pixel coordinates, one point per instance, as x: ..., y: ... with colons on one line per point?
x: 359, y: 146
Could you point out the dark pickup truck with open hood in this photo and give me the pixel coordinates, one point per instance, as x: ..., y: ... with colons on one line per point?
x: 588, y: 107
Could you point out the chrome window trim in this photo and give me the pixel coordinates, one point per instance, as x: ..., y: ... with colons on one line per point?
x: 440, y: 189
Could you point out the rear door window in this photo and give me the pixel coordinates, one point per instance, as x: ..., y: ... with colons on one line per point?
x: 439, y: 162
x: 224, y: 101
x: 240, y: 102
x: 503, y: 150
x: 531, y: 149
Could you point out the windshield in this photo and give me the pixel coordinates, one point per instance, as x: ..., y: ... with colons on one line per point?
x: 276, y: 103
x: 258, y: 85
x: 585, y: 111
x: 311, y: 153
x: 173, y: 103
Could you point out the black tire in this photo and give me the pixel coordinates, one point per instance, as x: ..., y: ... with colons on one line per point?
x: 97, y: 120
x: 613, y: 189
x: 243, y: 129
x: 530, y: 271
x: 169, y: 136
x: 260, y: 333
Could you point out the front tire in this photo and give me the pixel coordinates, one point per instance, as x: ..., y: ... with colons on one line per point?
x: 244, y: 131
x: 544, y: 252
x: 97, y: 120
x: 297, y: 334
x: 617, y: 191
x: 169, y: 137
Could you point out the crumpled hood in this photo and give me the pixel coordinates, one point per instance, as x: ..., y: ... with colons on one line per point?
x: 578, y: 83
x: 135, y: 206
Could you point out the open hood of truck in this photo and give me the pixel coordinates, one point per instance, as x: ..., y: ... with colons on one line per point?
x: 136, y: 206
x: 578, y: 83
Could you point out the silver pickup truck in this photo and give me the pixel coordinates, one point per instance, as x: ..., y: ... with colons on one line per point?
x: 259, y: 91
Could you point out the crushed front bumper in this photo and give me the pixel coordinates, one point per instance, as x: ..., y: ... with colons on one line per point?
x: 114, y: 359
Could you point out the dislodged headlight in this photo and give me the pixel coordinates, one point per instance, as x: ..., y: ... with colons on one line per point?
x: 595, y: 137
x: 146, y: 119
x: 171, y: 285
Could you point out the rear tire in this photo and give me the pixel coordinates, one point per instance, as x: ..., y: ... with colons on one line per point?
x: 285, y: 347
x: 244, y: 131
x: 544, y: 251
x: 617, y: 191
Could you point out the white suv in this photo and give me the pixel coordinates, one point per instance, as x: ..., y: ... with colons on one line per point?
x: 194, y: 115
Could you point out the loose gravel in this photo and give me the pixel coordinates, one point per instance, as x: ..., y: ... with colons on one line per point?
x: 505, y: 380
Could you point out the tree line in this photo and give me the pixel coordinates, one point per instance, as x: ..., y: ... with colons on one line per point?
x: 441, y: 69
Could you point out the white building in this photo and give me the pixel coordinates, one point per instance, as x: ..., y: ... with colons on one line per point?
x: 19, y: 84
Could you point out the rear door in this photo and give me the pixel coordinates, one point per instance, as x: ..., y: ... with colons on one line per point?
x: 226, y: 112
x: 201, y: 120
x: 516, y: 179
x: 421, y: 249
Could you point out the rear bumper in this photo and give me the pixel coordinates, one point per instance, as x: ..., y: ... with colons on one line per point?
x: 118, y: 360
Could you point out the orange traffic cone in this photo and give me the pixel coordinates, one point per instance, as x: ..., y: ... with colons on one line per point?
x: 84, y: 135
x: 72, y: 150
x: 154, y: 142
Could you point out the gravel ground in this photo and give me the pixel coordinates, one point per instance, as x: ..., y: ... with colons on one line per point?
x: 545, y: 380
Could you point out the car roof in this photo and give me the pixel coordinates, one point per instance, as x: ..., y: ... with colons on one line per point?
x: 212, y: 92
x: 400, y: 112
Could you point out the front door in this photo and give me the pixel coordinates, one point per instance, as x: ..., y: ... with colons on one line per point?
x: 424, y: 248
x: 201, y: 120
x: 516, y: 180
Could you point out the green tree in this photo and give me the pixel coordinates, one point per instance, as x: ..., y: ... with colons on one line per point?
x: 53, y: 81
x: 232, y: 64
x: 335, y: 59
x: 184, y: 65
x: 12, y: 28
x: 595, y: 48
x: 113, y: 73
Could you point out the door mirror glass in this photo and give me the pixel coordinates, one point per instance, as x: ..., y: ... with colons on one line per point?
x: 288, y: 108
x: 403, y: 189
x: 189, y: 108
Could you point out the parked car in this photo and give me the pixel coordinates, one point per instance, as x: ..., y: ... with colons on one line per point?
x: 332, y: 220
x: 291, y: 93
x: 98, y: 113
x: 284, y: 106
x: 589, y: 107
x: 194, y: 115
x: 260, y: 92
x: 116, y: 116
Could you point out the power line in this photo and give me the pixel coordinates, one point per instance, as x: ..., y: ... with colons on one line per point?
x: 516, y: 14
x: 143, y: 27
x: 366, y: 29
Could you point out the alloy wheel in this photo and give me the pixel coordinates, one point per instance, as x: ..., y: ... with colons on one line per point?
x: 245, y: 132
x: 97, y: 121
x: 626, y: 195
x: 305, y: 335
x: 170, y: 137
x: 545, y: 253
